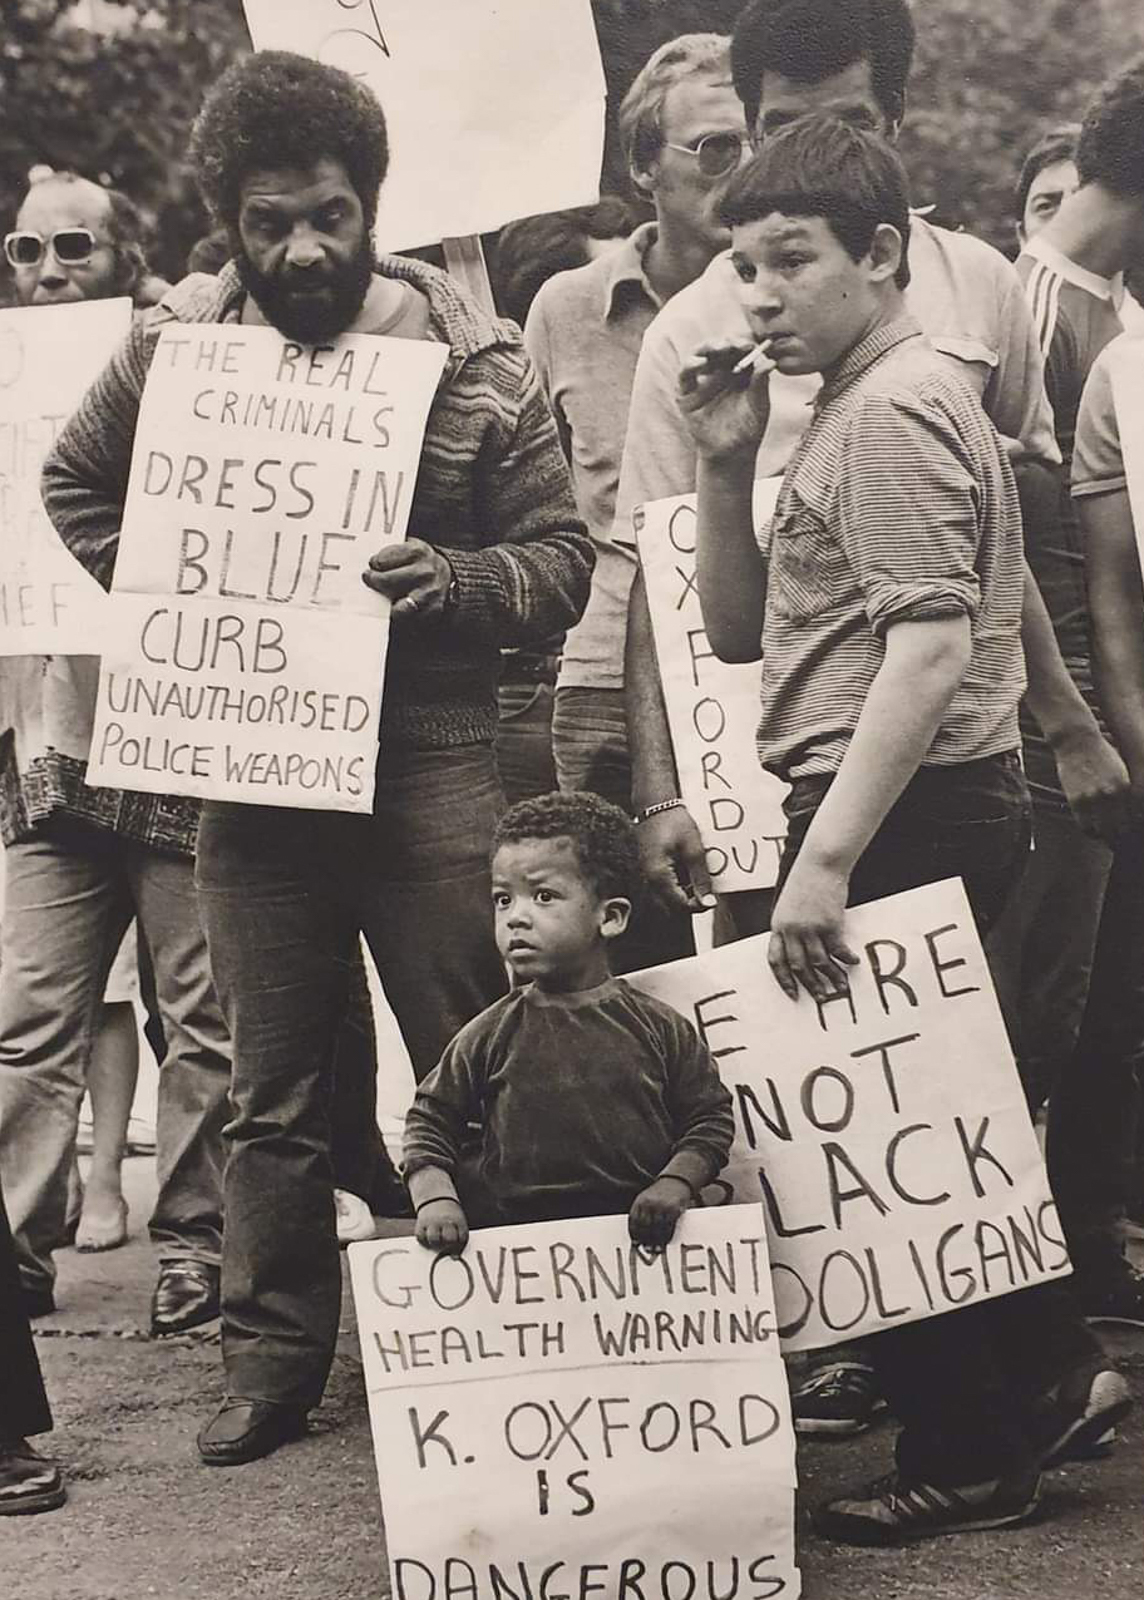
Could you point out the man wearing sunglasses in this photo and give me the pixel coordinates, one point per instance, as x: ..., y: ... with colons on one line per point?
x: 74, y: 241
x: 81, y: 864
x: 683, y: 137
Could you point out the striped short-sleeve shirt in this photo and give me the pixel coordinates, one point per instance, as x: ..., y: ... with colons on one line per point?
x: 899, y: 505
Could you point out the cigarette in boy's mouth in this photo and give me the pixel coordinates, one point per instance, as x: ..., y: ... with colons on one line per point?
x: 753, y: 359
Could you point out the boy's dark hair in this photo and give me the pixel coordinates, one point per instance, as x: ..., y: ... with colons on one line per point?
x: 809, y: 40
x: 1058, y: 144
x: 821, y: 167
x: 274, y: 109
x: 1111, y: 146
x: 604, y: 837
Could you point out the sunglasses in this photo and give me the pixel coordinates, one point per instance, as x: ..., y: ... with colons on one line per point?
x: 71, y: 246
x: 716, y: 153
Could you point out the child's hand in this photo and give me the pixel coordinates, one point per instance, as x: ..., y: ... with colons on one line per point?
x: 442, y: 1226
x: 654, y: 1213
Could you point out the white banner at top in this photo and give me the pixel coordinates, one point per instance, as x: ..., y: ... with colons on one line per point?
x: 495, y: 108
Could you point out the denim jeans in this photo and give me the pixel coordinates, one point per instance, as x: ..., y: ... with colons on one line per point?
x: 284, y: 895
x: 524, y: 739
x: 72, y: 891
x: 590, y: 745
x: 961, y: 1384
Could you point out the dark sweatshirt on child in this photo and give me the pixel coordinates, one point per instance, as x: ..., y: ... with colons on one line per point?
x: 583, y: 1100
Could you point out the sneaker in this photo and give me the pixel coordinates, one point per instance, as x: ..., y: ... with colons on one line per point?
x: 895, y: 1511
x: 1119, y: 1298
x: 1080, y: 1414
x: 354, y: 1218
x: 837, y: 1401
x: 29, y: 1482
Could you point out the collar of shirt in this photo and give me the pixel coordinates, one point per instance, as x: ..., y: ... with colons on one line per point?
x: 627, y: 270
x: 1065, y: 267
x: 864, y: 354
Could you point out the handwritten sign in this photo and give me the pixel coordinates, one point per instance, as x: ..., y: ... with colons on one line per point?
x: 49, y: 355
x: 712, y: 706
x: 247, y: 657
x: 885, y: 1128
x: 558, y: 1413
x: 495, y: 108
x: 1125, y: 359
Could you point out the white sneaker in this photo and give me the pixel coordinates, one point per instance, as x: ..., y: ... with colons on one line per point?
x: 355, y: 1220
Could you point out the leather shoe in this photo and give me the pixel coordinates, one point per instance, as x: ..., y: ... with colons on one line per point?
x: 245, y: 1430
x: 186, y: 1296
x: 38, y: 1299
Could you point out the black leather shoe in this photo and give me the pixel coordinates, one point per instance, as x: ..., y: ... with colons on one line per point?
x: 185, y: 1297
x: 245, y: 1430
x: 39, y: 1301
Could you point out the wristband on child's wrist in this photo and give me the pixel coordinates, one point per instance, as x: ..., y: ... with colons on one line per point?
x: 687, y: 1184
x: 435, y: 1200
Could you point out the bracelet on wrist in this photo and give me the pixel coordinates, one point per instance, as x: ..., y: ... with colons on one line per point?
x: 654, y: 811
x: 435, y: 1200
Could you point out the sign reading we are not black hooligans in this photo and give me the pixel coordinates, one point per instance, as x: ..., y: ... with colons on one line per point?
x: 246, y: 657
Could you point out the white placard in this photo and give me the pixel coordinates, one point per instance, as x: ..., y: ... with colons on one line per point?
x: 495, y: 108
x: 49, y: 356
x: 886, y: 1128
x: 558, y: 1412
x: 247, y: 657
x: 712, y: 705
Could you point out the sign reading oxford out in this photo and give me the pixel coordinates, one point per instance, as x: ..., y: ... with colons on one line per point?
x: 885, y: 1128
x: 712, y: 705
x: 246, y: 657
x: 559, y: 1413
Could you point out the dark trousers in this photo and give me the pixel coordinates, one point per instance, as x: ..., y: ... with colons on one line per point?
x: 1094, y: 1108
x: 284, y: 895
x: 962, y: 1384
x: 23, y: 1403
x: 590, y: 744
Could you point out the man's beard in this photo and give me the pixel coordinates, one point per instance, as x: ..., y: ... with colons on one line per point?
x: 305, y: 317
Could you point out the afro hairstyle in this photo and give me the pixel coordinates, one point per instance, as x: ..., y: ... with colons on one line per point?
x: 603, y: 837
x: 275, y: 110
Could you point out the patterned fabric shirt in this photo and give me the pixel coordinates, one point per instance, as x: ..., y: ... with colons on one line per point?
x: 899, y: 505
x: 492, y: 493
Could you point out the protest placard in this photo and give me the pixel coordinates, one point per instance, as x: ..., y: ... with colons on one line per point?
x: 247, y: 657
x: 495, y: 108
x: 49, y: 355
x: 557, y: 1412
x: 886, y: 1127
x: 712, y: 705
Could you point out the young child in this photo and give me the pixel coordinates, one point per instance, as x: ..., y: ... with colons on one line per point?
x: 591, y: 1098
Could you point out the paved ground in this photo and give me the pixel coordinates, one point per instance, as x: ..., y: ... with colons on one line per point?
x: 145, y: 1520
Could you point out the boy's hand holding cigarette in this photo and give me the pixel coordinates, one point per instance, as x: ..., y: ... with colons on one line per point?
x: 724, y: 393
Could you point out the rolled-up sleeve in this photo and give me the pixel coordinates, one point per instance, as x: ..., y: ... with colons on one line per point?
x: 908, y: 514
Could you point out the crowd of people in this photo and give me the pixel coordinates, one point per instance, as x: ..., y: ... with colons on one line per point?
x: 949, y: 608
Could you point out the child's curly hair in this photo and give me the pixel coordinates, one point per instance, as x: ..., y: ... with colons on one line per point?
x: 274, y: 109
x: 604, y: 838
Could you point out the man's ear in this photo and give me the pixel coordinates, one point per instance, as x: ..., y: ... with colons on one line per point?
x: 886, y: 251
x: 643, y: 181
x: 615, y: 914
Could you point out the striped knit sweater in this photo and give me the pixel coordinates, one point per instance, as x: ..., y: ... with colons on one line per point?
x: 493, y: 494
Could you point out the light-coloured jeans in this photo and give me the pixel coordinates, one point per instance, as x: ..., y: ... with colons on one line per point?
x: 71, y: 893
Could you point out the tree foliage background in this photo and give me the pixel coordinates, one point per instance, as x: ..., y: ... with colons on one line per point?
x: 115, y: 101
